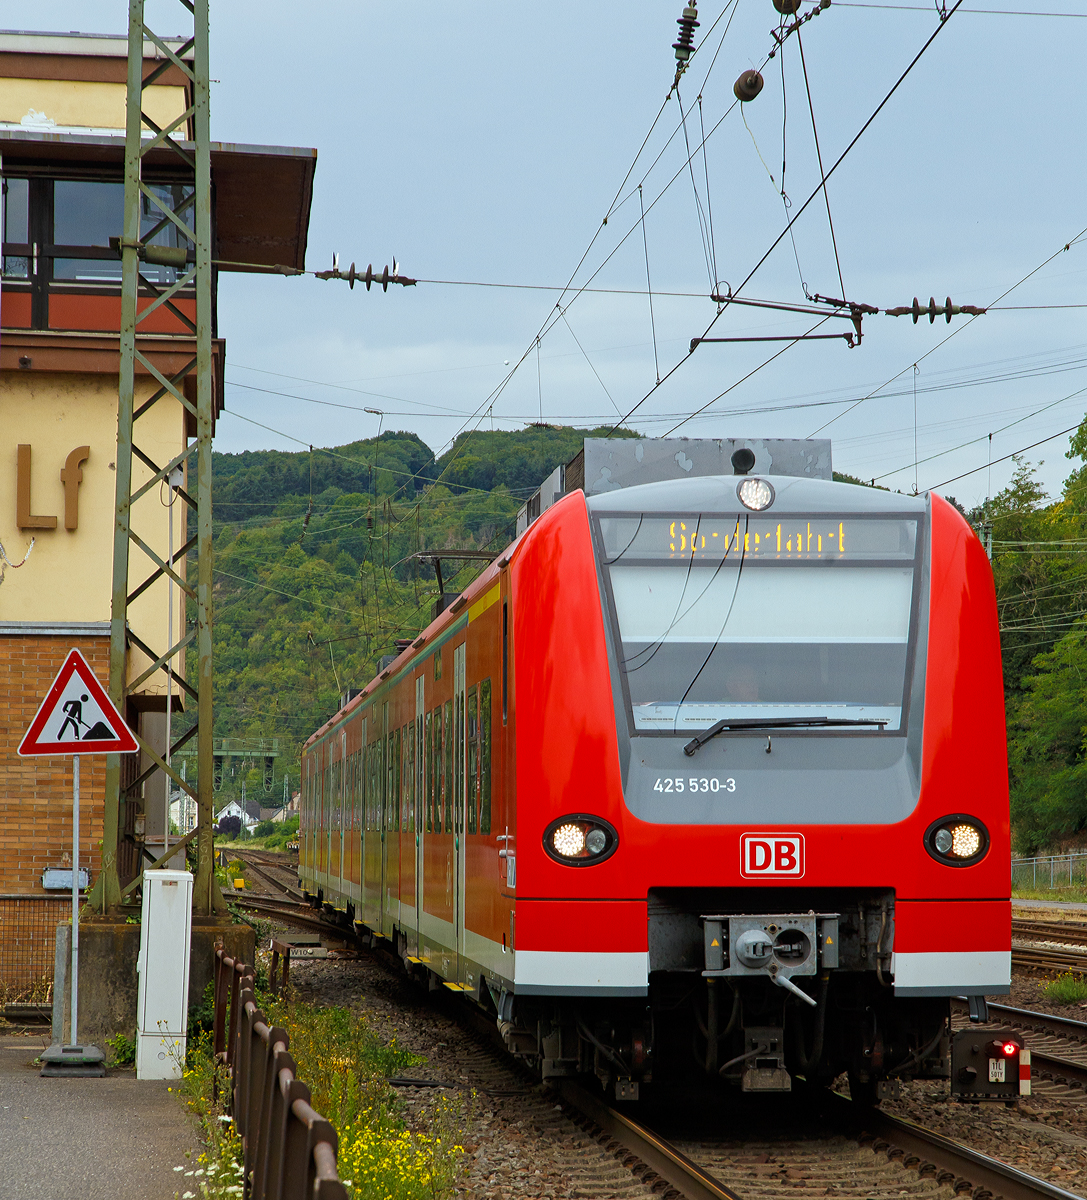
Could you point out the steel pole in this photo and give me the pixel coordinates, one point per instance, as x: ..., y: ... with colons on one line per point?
x: 107, y: 893
x: 206, y: 895
x: 75, y: 900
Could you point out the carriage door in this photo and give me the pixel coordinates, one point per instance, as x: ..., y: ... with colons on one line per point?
x: 417, y: 800
x: 460, y: 847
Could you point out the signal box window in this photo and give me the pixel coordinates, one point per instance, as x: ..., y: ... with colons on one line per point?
x: 56, y: 243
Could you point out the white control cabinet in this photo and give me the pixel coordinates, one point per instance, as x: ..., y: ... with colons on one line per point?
x: 163, y: 966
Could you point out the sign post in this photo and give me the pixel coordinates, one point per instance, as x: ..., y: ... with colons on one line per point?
x: 76, y: 717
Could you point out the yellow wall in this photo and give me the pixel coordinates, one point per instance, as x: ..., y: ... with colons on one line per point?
x: 68, y: 576
x: 85, y: 103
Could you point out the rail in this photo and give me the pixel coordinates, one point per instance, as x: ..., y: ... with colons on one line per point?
x: 289, y: 1148
x: 967, y: 1170
x: 1050, y: 872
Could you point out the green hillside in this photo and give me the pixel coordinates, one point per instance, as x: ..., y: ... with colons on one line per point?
x: 314, y: 577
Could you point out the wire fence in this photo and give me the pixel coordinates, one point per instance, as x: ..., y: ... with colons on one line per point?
x: 1052, y: 872
x: 28, y: 933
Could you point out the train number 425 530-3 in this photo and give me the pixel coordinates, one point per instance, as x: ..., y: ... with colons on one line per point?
x: 694, y: 783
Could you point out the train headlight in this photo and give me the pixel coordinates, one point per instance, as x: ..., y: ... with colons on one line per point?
x: 579, y: 840
x: 957, y: 840
x: 755, y: 494
x: 568, y: 840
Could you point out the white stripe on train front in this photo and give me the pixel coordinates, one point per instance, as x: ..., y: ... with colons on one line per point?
x: 581, y: 973
x: 952, y: 972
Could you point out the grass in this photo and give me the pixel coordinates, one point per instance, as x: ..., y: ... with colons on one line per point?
x: 347, y: 1067
x: 1074, y: 895
x: 1066, y: 989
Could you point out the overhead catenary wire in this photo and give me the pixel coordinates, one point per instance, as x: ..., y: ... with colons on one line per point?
x: 955, y: 332
x: 819, y: 159
x: 649, y: 287
x: 822, y: 184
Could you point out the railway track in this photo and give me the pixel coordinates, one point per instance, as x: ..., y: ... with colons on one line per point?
x: 865, y: 1154
x: 851, y: 1153
x: 270, y: 868
x: 1049, y: 945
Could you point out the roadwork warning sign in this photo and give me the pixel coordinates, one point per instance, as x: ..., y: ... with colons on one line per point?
x: 77, y: 717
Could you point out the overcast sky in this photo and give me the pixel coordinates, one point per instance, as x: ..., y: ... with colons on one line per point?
x: 485, y: 143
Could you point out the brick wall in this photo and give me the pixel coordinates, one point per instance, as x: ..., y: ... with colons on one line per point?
x: 36, y: 793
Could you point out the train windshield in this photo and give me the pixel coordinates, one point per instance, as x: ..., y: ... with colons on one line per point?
x: 754, y: 617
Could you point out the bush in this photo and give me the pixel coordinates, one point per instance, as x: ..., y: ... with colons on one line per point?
x: 230, y: 826
x: 1066, y: 989
x: 346, y: 1066
x: 124, y: 1050
x: 264, y: 829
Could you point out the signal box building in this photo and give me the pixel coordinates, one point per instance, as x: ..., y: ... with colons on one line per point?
x: 62, y: 118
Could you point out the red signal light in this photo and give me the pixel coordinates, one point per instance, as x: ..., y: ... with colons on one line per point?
x: 1010, y: 1049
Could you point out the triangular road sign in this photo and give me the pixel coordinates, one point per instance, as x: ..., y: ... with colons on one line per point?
x: 77, y: 717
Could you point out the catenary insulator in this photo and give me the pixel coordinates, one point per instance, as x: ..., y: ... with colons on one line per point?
x: 787, y: 7
x: 688, y: 23
x: 748, y: 86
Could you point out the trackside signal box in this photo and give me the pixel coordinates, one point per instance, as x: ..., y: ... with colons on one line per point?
x: 163, y: 996
x: 989, y: 1064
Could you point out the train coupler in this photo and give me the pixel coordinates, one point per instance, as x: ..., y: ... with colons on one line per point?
x: 780, y: 945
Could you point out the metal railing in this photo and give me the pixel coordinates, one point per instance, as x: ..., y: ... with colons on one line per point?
x: 1050, y: 872
x: 28, y: 934
x: 290, y: 1149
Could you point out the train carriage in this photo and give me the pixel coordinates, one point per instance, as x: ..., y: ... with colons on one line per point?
x: 703, y: 774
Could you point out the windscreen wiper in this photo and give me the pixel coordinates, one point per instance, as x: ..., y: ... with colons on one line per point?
x: 776, y: 723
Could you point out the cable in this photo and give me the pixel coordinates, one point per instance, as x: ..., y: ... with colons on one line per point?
x: 926, y: 8
x: 590, y: 361
x: 822, y: 184
x: 649, y: 286
x: 1022, y: 450
x: 974, y: 441
x: 819, y: 158
x: 955, y: 332
x: 743, y: 379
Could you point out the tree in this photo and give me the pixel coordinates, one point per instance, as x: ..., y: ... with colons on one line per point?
x: 229, y: 826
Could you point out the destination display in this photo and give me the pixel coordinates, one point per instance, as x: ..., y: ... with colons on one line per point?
x: 709, y: 538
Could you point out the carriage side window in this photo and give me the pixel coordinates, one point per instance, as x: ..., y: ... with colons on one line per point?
x: 438, y: 663
x: 473, y: 759
x: 434, y: 768
x: 406, y: 781
x: 447, y: 745
x: 428, y: 772
x: 485, y: 756
x: 371, y: 785
x: 330, y: 797
x: 458, y: 761
x: 396, y: 746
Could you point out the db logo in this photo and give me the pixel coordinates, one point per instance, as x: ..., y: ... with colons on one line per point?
x: 778, y: 854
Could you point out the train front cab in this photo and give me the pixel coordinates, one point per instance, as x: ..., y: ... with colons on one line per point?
x: 844, y: 836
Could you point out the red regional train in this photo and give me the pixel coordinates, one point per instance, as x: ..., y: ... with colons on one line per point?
x: 703, y: 775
